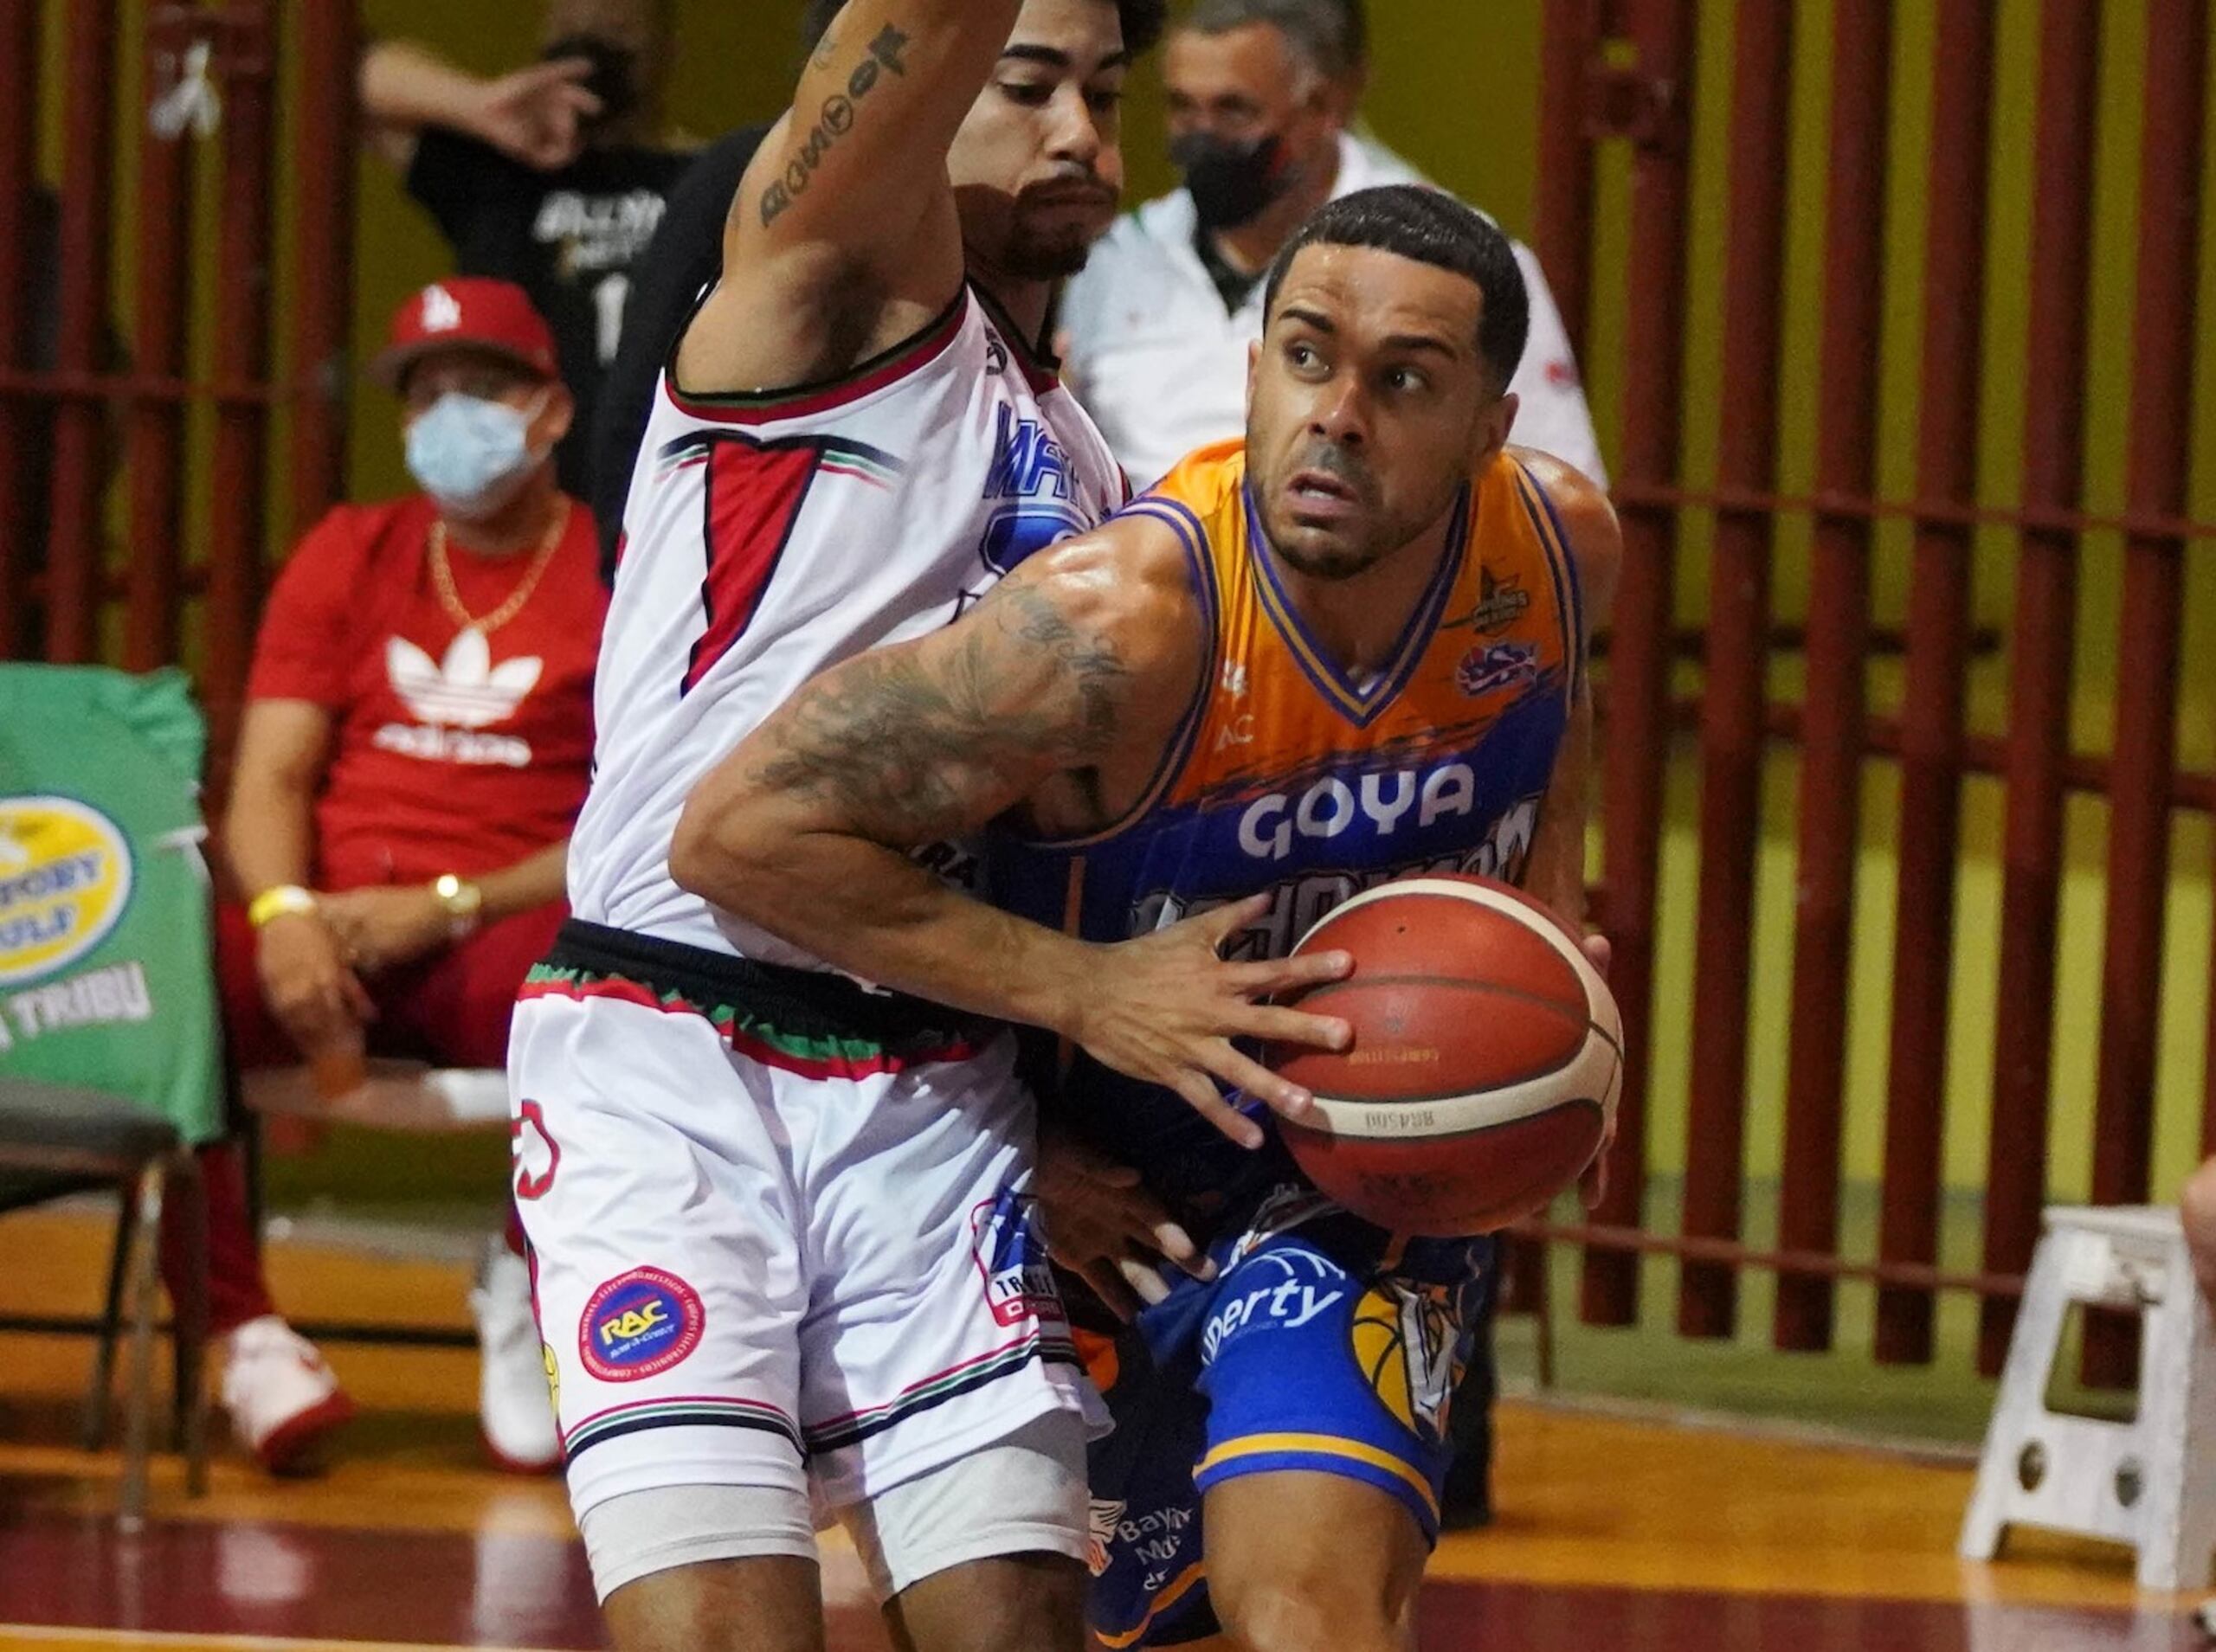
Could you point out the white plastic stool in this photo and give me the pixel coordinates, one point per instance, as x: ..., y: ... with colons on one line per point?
x: 2151, y: 1482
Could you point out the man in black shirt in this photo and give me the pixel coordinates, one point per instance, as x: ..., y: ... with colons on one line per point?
x: 553, y: 177
x: 684, y: 259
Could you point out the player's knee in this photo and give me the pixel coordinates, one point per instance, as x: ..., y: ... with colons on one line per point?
x: 2197, y: 1210
x: 1304, y: 1609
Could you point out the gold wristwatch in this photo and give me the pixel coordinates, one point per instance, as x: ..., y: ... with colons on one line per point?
x: 464, y: 901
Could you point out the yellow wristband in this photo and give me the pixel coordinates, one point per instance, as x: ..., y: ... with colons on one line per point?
x: 287, y: 900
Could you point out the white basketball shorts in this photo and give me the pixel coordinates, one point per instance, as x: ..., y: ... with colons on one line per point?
x: 779, y: 1226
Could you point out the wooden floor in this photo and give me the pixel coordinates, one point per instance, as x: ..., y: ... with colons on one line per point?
x: 1612, y: 1533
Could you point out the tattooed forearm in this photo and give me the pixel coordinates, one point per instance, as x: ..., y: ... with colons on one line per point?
x: 834, y: 119
x: 908, y: 747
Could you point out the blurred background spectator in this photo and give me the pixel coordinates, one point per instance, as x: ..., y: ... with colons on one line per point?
x: 1155, y: 332
x: 554, y: 176
x: 415, y: 746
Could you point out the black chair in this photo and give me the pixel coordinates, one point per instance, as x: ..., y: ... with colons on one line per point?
x: 55, y: 1140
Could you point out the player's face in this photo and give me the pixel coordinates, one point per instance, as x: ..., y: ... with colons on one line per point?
x: 1038, y: 166
x: 1368, y: 406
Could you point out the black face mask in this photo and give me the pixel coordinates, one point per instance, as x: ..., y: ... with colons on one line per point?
x: 1230, y: 182
x: 613, y: 79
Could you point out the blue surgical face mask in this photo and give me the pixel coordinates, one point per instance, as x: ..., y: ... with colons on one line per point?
x: 472, y: 455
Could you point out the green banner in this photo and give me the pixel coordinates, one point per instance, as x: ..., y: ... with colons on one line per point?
x: 105, y: 975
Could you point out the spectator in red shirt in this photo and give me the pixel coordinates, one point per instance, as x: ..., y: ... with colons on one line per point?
x: 416, y: 746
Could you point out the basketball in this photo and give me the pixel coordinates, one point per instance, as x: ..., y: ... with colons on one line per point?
x: 1486, y: 1060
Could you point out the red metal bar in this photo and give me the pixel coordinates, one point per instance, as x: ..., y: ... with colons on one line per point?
x: 237, y: 516
x: 1838, y: 645
x: 329, y: 45
x: 1882, y: 737
x: 1938, y: 626
x: 2044, y: 636
x: 2027, y: 517
x: 155, y: 440
x: 1663, y: 32
x: 1738, y: 623
x: 2147, y: 691
x: 80, y: 435
x: 1564, y: 232
x: 19, y: 61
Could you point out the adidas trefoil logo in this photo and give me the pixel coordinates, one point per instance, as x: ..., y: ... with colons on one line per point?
x: 456, y: 696
x: 464, y: 690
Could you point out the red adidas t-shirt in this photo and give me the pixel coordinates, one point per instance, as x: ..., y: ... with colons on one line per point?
x: 452, y: 752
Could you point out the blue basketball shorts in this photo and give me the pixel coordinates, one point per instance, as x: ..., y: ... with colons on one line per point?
x: 1323, y: 1346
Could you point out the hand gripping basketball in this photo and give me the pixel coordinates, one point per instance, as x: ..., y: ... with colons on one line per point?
x: 1164, y: 1008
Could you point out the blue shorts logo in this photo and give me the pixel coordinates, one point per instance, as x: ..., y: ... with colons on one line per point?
x: 639, y: 1325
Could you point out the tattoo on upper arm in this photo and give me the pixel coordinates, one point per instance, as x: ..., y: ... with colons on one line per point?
x: 909, y: 754
x: 834, y: 119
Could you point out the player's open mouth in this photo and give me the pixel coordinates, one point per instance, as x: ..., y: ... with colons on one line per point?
x: 1320, y: 493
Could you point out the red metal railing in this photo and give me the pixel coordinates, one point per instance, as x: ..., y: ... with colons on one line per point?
x: 1620, y: 73
x: 110, y: 394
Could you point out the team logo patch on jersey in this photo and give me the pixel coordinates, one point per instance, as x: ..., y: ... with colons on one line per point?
x: 1496, y: 665
x: 537, y: 1154
x: 65, y: 879
x: 1009, y: 1239
x: 639, y: 1325
x: 1406, y: 1342
x: 1501, y: 602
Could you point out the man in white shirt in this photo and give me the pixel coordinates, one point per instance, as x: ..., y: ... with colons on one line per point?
x: 1155, y: 331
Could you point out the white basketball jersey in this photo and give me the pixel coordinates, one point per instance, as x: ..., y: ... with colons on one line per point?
x: 769, y: 537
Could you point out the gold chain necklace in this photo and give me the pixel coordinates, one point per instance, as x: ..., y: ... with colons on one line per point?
x: 450, y: 598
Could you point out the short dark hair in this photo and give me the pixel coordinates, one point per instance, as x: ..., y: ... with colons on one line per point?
x: 1144, y: 21
x: 1431, y: 227
x: 1331, y: 36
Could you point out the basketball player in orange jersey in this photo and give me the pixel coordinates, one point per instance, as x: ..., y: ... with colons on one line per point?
x: 1350, y: 649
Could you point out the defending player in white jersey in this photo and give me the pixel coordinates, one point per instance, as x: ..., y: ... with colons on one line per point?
x: 786, y: 1253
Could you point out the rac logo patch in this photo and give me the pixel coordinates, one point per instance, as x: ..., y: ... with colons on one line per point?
x: 65, y: 879
x: 639, y: 1324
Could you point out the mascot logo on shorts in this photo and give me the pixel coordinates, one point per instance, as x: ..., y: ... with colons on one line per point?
x: 639, y: 1325
x: 1010, y: 1243
x: 1407, y: 1343
x: 64, y: 878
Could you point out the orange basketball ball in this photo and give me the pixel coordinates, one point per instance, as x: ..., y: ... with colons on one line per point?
x: 1486, y: 1061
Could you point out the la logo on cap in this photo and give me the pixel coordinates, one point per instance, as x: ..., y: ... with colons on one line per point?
x: 442, y: 310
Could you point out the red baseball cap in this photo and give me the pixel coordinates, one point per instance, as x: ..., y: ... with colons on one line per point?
x: 468, y: 312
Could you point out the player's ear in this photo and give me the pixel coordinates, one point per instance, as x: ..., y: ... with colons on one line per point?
x: 1494, y: 425
x: 1253, y: 369
x: 556, y: 417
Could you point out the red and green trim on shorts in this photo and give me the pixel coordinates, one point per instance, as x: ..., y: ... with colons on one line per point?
x: 806, y: 1055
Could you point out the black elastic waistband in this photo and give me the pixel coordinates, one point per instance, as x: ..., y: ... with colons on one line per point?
x: 812, y: 1003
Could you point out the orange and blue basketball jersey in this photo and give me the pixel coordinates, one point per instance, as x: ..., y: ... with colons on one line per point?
x: 1323, y: 1343
x: 1290, y: 778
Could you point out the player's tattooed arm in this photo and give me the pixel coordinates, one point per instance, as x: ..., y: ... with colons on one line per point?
x: 907, y: 746
x: 844, y: 227
x: 1057, y: 695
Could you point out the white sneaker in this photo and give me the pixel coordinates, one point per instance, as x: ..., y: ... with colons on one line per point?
x: 513, y: 1406
x: 282, y: 1397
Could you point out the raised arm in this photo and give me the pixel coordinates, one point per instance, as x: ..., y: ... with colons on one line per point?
x: 848, y: 205
x: 1068, y: 680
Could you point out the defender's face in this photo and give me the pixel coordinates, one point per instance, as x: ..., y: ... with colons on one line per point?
x: 1038, y: 166
x: 1368, y: 406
